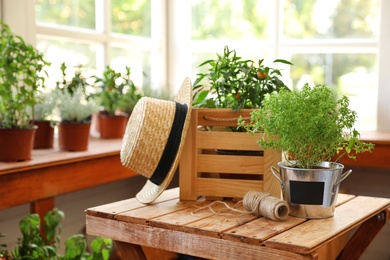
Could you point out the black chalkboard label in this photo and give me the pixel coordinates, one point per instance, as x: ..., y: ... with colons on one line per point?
x: 304, y: 192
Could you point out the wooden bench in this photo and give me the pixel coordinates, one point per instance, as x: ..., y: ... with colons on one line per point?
x: 174, y: 225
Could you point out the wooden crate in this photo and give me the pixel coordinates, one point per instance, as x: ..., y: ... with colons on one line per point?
x: 206, y: 172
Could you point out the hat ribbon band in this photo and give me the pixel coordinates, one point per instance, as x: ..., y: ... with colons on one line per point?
x: 172, y: 145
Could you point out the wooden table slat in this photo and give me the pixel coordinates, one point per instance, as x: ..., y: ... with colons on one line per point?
x: 177, y: 226
x: 182, y: 242
x: 110, y: 210
x: 311, y: 234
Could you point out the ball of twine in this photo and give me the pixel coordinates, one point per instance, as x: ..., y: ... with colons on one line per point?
x: 254, y: 202
x: 266, y: 205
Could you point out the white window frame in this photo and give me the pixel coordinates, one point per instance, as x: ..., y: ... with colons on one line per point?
x: 173, y: 46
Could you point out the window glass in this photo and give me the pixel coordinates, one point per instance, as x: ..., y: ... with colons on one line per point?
x: 131, y: 17
x: 138, y: 61
x: 74, y: 13
x: 230, y: 19
x: 353, y: 75
x: 73, y: 53
x: 305, y: 19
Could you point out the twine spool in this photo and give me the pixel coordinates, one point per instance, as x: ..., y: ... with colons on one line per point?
x: 254, y: 202
x: 266, y: 205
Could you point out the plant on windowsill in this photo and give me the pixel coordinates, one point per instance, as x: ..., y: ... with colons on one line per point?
x: 117, y: 94
x: 311, y: 127
x: 43, y: 113
x: 21, y: 76
x: 75, y: 107
x: 35, y: 244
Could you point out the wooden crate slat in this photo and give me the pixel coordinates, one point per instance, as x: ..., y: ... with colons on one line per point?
x: 231, y: 176
x: 227, y: 140
x: 221, y: 116
x: 220, y: 187
x: 230, y: 164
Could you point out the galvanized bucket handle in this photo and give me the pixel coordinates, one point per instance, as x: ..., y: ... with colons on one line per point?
x: 343, y: 177
x: 273, y: 169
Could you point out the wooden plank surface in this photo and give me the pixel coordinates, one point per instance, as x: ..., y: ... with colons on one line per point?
x: 48, y: 157
x: 110, y: 210
x: 312, y: 234
x: 182, y: 242
x: 181, y: 226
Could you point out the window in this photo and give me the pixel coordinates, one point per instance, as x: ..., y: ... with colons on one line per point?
x: 330, y: 42
x: 98, y: 33
x: 340, y: 43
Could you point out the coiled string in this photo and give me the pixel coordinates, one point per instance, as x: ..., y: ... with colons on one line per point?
x: 257, y: 203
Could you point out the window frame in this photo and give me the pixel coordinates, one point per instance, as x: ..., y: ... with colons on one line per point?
x: 174, y: 51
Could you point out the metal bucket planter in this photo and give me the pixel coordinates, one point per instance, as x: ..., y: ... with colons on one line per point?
x: 311, y: 193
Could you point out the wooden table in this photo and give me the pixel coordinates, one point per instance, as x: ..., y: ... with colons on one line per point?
x: 52, y: 172
x: 169, y: 224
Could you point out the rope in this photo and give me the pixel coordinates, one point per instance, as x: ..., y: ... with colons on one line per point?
x: 254, y: 202
x: 234, y: 119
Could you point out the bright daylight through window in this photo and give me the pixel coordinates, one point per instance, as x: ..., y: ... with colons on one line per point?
x: 332, y: 42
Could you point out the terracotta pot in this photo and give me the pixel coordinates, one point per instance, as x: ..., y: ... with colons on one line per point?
x: 73, y: 136
x: 112, y: 126
x: 44, y: 136
x: 16, y: 144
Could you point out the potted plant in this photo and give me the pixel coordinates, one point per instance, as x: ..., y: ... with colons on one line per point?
x: 230, y: 87
x: 117, y: 95
x: 232, y: 82
x: 75, y: 109
x: 21, y: 75
x: 42, y: 114
x: 42, y: 241
x: 312, y: 127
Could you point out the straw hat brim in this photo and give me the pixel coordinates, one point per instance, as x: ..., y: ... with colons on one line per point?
x: 150, y: 190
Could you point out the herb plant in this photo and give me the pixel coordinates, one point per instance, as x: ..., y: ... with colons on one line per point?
x: 73, y: 101
x: 233, y: 82
x: 35, y: 244
x: 116, y: 91
x: 21, y: 75
x: 44, y: 109
x: 309, y: 126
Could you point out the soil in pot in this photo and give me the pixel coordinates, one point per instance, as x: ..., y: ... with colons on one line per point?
x: 16, y: 144
x: 44, y: 136
x: 73, y: 136
x: 112, y: 126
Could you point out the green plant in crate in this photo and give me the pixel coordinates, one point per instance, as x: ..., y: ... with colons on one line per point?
x: 231, y: 81
x: 36, y: 244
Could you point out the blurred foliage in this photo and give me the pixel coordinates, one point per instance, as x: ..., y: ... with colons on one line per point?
x: 230, y: 19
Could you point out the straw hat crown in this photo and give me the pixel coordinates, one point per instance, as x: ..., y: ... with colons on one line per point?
x: 153, y: 140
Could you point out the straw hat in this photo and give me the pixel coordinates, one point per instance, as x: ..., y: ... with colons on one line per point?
x: 154, y: 138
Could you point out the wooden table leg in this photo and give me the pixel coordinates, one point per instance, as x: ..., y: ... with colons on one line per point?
x: 363, y: 236
x: 42, y: 206
x: 130, y: 251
